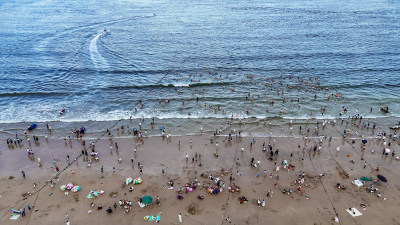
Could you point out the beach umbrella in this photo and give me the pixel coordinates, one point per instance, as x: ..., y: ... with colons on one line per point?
x: 76, y: 188
x: 70, y: 186
x: 365, y: 179
x: 364, y: 141
x: 147, y: 199
x: 63, y: 187
x: 382, y: 178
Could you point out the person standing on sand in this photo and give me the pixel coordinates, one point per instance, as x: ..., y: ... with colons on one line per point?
x: 338, y: 148
x: 180, y: 217
x: 158, y: 200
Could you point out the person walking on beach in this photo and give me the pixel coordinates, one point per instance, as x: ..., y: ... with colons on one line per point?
x: 180, y: 217
x: 338, y: 148
x: 158, y: 200
x: 23, y: 174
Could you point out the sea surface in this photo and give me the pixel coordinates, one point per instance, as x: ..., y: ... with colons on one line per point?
x: 213, y: 60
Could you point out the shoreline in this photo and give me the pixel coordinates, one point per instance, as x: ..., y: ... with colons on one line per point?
x: 182, y: 127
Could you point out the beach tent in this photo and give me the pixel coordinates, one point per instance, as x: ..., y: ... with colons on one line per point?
x: 382, y: 178
x: 147, y: 199
x: 137, y: 180
x: 128, y: 180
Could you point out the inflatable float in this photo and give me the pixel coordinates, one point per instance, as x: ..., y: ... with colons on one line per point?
x: 32, y: 126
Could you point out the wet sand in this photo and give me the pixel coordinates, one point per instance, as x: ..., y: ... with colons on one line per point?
x: 157, y: 153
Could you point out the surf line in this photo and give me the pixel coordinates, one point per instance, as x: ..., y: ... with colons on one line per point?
x: 98, y: 61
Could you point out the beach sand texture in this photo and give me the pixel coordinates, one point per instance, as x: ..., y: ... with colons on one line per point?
x: 168, y: 154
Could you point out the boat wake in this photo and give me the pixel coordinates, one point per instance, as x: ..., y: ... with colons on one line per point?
x: 98, y: 61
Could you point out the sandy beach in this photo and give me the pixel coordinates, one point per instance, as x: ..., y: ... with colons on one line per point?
x: 318, y: 201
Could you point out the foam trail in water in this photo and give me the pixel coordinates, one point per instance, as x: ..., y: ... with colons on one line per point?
x: 98, y: 61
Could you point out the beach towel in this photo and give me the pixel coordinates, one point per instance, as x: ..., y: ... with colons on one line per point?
x: 357, y: 182
x: 15, y: 211
x: 14, y: 216
x: 152, y: 218
x: 354, y: 212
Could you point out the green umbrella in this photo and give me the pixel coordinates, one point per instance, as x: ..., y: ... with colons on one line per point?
x: 147, y: 199
x: 365, y: 179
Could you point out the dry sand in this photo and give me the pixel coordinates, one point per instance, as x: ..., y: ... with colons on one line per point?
x: 157, y: 153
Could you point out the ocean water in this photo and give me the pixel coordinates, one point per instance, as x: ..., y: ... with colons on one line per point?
x: 213, y: 60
